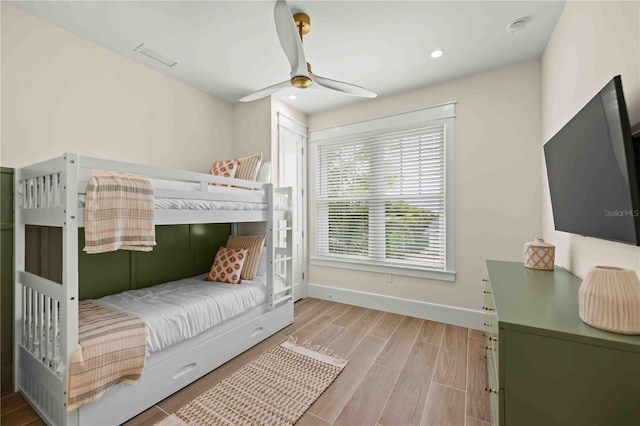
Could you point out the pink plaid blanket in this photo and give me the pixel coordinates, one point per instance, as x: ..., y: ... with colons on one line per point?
x: 118, y: 213
x: 111, y: 350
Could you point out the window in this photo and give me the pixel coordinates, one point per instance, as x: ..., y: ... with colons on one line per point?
x: 383, y: 194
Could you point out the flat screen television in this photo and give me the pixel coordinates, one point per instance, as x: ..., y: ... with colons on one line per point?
x: 593, y: 168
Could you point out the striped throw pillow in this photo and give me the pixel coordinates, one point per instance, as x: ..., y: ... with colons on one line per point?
x: 248, y: 167
x: 254, y: 244
x: 227, y: 265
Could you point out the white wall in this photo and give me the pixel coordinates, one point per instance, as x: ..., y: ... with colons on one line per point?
x: 592, y: 42
x: 62, y: 93
x: 497, y: 179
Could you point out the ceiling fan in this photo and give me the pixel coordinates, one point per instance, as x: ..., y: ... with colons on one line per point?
x: 290, y: 32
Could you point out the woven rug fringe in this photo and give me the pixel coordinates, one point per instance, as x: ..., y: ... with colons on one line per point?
x: 307, y: 344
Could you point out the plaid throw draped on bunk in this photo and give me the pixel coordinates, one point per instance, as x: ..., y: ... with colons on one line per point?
x: 118, y: 213
x: 111, y: 349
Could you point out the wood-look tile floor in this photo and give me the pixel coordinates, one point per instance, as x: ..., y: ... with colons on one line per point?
x: 401, y: 371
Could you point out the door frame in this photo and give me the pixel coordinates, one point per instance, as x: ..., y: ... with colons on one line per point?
x: 301, y: 129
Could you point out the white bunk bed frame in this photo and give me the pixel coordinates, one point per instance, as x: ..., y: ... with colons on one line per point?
x: 47, y: 195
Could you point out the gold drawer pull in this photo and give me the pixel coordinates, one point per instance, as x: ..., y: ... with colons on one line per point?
x: 486, y: 308
x: 489, y: 348
x: 486, y: 357
x: 486, y: 292
x: 493, y: 339
x: 486, y: 324
x: 491, y: 390
x: 484, y: 280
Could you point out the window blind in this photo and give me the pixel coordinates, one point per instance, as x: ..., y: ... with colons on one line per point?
x: 381, y: 197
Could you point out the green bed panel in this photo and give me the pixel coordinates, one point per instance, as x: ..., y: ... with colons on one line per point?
x: 182, y: 251
x: 6, y: 196
x: 206, y: 239
x: 6, y: 277
x: 104, y: 273
x: 170, y: 259
x: 43, y: 246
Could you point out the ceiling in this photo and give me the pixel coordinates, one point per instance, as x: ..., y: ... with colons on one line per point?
x: 230, y: 48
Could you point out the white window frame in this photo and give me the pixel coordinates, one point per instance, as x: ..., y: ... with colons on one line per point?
x: 441, y: 114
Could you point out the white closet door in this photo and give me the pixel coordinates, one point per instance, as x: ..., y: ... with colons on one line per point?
x: 292, y: 148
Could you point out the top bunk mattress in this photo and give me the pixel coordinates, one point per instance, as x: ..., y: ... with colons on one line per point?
x: 179, y: 310
x: 281, y: 202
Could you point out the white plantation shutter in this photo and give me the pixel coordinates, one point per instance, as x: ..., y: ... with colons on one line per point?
x: 381, y: 196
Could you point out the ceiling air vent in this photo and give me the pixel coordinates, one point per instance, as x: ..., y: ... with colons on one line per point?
x: 150, y: 53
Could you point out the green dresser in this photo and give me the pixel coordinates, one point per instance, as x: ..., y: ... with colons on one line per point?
x: 547, y: 367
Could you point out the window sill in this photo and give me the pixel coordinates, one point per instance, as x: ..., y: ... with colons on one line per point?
x: 384, y: 269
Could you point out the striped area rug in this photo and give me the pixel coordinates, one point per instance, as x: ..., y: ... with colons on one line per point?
x: 274, y: 389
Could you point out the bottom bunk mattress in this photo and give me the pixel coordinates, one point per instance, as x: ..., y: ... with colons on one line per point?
x: 179, y: 310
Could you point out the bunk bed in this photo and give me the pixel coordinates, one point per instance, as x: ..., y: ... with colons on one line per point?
x: 51, y: 194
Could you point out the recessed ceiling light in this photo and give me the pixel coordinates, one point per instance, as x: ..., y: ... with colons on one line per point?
x: 516, y: 26
x: 437, y: 53
x: 293, y: 97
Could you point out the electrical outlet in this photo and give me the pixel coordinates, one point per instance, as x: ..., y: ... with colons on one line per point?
x: 388, y: 278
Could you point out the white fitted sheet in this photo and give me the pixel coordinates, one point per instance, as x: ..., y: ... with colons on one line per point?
x: 280, y: 202
x: 179, y: 310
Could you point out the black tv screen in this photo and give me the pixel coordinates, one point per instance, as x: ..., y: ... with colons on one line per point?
x: 593, y: 171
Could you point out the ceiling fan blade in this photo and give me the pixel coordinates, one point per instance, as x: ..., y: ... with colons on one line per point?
x: 265, y: 92
x: 342, y: 87
x: 290, y: 39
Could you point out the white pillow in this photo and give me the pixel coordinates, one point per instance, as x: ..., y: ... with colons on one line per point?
x: 264, y: 172
x: 262, y: 264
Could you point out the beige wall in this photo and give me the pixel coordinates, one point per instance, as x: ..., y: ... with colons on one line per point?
x: 255, y: 129
x: 62, y: 93
x: 592, y: 42
x: 252, y: 128
x: 497, y: 179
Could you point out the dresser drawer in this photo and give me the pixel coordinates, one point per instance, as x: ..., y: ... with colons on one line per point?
x: 494, y: 406
x: 492, y: 366
x: 488, y: 305
x: 491, y: 340
x: 493, y: 389
x: 490, y: 334
x: 491, y: 330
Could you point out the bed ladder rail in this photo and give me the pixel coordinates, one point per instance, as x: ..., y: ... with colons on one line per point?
x: 280, y: 246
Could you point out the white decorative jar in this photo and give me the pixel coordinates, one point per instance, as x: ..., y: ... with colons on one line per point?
x: 539, y: 255
x: 609, y: 299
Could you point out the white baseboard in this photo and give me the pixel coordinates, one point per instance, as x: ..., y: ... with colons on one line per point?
x: 414, y: 308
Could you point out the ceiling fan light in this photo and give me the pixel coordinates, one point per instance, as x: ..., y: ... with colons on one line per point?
x: 437, y: 53
x: 301, y: 81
